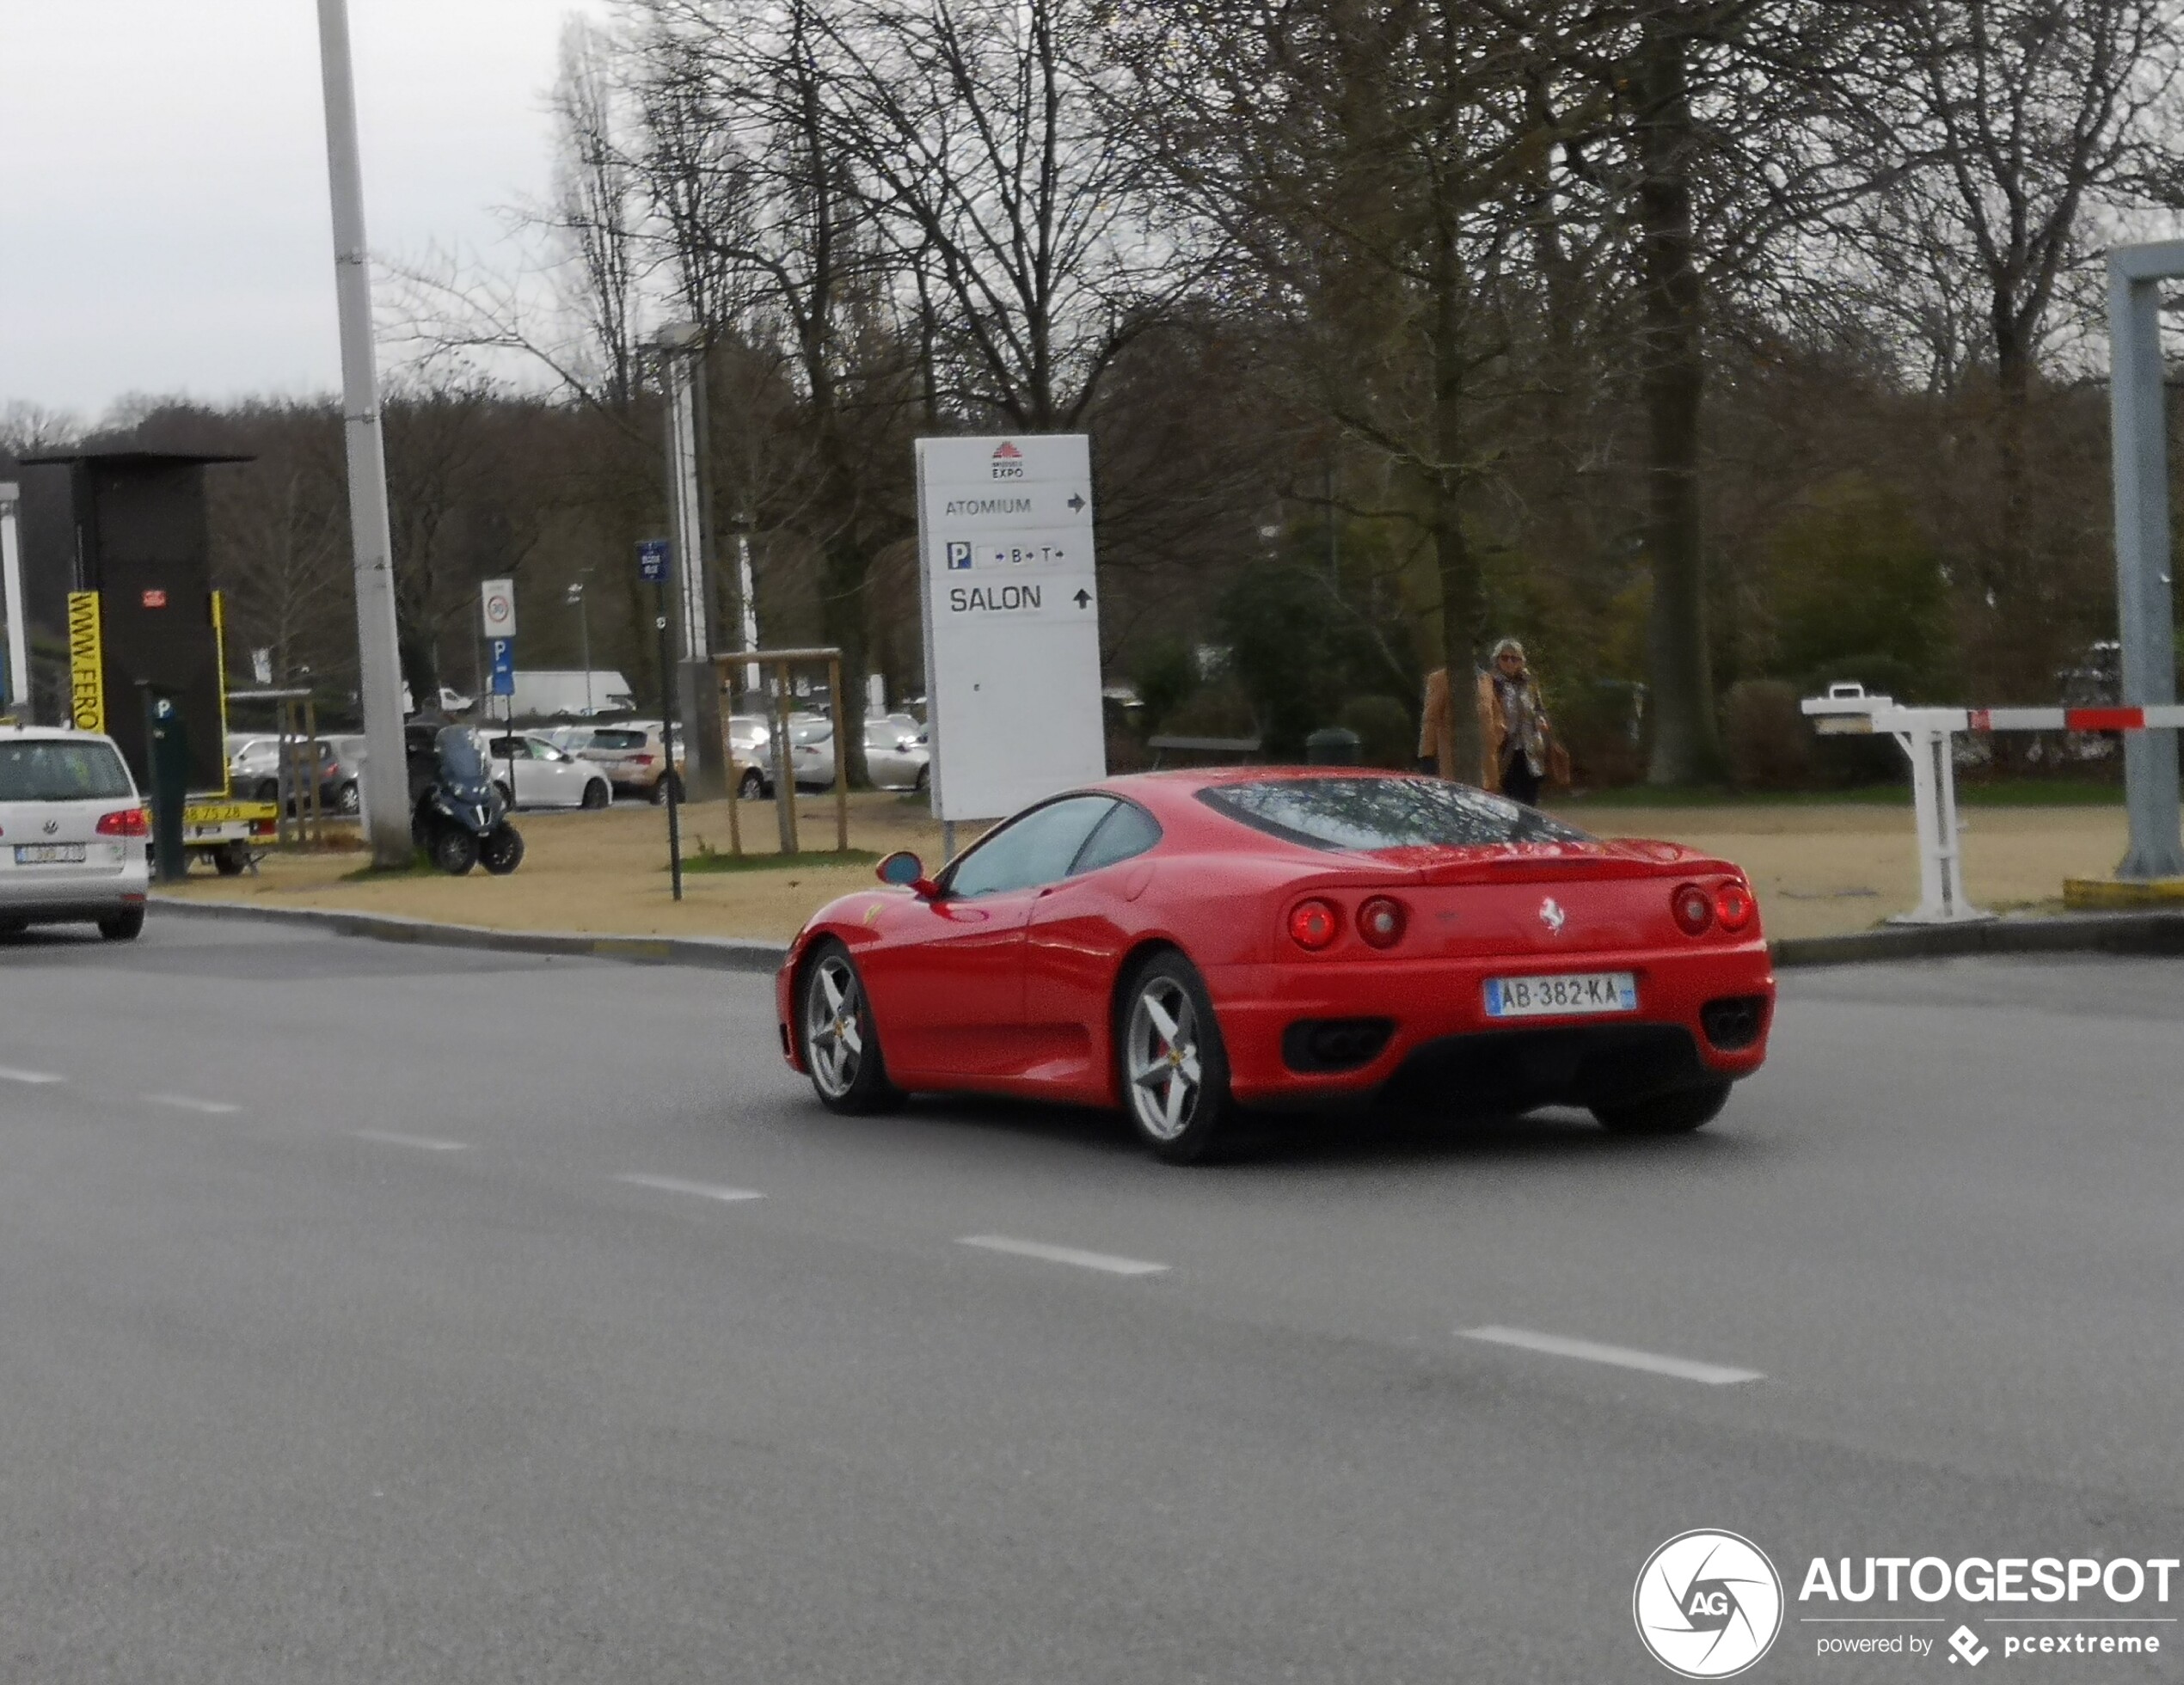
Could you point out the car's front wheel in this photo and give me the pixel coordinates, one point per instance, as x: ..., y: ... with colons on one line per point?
x: 596, y: 795
x: 1672, y: 1113
x: 753, y: 787
x: 841, y: 1047
x: 1170, y: 1065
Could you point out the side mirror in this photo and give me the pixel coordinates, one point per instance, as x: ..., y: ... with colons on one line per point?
x: 903, y: 870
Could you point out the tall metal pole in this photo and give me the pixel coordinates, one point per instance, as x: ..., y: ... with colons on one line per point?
x: 18, y: 691
x: 2140, y: 440
x: 386, y: 778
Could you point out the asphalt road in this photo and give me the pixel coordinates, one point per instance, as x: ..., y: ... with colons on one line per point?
x: 371, y: 1313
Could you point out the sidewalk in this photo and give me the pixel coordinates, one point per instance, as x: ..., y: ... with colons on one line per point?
x: 1820, y: 870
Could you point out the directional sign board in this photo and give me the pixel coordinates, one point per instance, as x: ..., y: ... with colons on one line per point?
x: 1012, y: 621
x: 499, y: 600
x: 652, y: 561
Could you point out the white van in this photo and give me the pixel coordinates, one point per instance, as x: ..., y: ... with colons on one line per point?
x: 74, y: 841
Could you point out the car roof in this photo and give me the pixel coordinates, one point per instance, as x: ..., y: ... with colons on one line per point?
x: 50, y: 734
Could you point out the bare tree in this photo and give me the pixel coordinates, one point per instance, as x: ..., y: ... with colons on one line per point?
x: 2033, y: 125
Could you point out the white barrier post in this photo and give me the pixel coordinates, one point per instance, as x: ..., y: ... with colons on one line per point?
x: 1927, y: 736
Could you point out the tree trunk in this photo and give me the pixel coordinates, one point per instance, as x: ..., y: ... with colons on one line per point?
x: 1463, y: 598
x: 1686, y: 741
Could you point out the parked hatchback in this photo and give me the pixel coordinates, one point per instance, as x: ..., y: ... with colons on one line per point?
x: 74, y: 836
x: 634, y: 756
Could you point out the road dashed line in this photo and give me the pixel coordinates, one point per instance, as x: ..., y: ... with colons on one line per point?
x: 210, y: 1108
x: 676, y: 1185
x: 422, y: 1142
x: 11, y: 1074
x: 1620, y: 1357
x: 1106, y: 1262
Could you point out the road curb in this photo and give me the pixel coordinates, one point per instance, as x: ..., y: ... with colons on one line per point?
x: 713, y: 954
x: 2142, y: 933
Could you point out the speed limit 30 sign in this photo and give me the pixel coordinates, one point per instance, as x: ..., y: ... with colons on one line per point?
x: 499, y: 599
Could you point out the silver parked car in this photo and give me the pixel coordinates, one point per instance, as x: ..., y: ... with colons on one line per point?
x: 74, y: 836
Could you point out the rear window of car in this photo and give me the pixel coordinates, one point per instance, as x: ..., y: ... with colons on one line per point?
x: 1369, y: 813
x: 49, y: 771
x: 616, y: 740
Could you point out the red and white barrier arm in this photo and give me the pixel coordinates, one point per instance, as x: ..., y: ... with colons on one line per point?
x: 2169, y: 717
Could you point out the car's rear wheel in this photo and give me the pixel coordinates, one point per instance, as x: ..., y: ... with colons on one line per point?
x: 1672, y: 1113
x: 231, y: 860
x: 124, y: 926
x: 348, y: 799
x: 751, y: 787
x: 841, y: 1047
x: 596, y: 795
x: 1170, y: 1065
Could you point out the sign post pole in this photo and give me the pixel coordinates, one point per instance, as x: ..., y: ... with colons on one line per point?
x: 652, y: 566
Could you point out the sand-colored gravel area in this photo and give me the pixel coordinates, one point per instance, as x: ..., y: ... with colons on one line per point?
x: 1819, y: 869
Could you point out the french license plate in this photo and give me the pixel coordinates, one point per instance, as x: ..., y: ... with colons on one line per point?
x: 1542, y: 997
x: 49, y: 853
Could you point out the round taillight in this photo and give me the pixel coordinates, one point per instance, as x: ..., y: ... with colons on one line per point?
x: 1314, y: 924
x: 1733, y: 906
x: 1694, y: 909
x: 1380, y: 921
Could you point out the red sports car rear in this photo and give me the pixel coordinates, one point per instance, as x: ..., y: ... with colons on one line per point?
x: 1180, y: 944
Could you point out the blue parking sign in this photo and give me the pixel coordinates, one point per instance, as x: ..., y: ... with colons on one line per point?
x: 504, y: 666
x: 652, y: 561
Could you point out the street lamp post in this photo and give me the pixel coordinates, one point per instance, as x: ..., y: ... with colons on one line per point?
x: 386, y: 779
x: 583, y: 640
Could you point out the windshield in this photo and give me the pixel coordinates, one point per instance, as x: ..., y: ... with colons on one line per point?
x: 459, y: 758
x: 1369, y: 813
x: 50, y: 771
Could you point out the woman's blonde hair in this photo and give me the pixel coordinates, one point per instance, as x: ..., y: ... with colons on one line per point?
x: 1509, y: 646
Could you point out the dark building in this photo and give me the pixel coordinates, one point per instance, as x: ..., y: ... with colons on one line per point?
x: 129, y: 524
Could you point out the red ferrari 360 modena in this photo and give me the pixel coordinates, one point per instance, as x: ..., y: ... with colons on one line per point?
x: 1181, y: 944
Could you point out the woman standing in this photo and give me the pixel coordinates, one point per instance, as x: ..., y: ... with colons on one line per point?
x: 1513, y: 727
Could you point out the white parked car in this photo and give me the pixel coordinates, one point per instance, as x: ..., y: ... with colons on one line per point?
x: 74, y: 835
x: 543, y: 775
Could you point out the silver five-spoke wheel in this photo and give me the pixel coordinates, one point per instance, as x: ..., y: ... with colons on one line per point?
x: 1167, y: 1075
x: 835, y: 1028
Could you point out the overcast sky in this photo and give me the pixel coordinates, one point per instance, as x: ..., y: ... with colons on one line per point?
x: 164, y: 224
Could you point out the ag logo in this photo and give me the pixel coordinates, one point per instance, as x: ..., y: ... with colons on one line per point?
x: 1708, y: 1604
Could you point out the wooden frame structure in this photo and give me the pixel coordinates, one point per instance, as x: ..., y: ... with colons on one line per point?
x: 782, y: 663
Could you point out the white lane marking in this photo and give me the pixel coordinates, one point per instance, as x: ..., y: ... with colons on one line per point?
x: 388, y: 1138
x: 212, y: 1108
x: 9, y: 1074
x: 1083, y: 1261
x: 1623, y: 1357
x: 676, y: 1185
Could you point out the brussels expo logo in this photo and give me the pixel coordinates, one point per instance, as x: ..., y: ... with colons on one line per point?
x: 1708, y: 1604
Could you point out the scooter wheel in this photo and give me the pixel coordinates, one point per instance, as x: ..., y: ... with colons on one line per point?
x: 454, y: 851
x: 502, y: 851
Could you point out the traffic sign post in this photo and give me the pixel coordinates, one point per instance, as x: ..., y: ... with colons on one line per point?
x: 1011, y: 602
x: 498, y: 602
x: 653, y: 560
